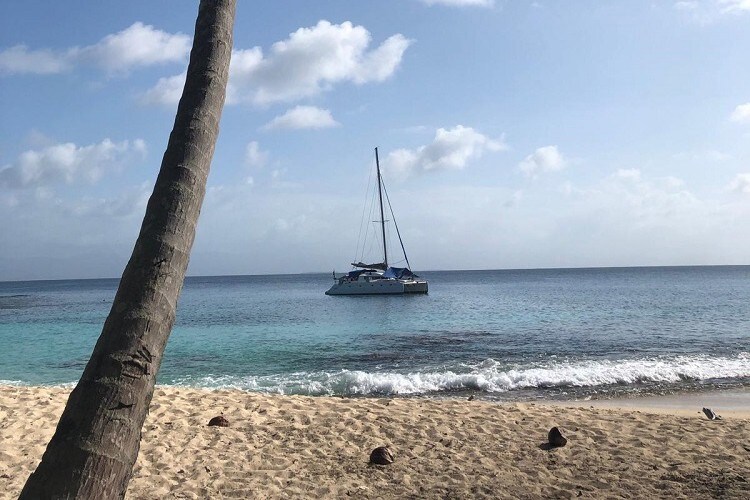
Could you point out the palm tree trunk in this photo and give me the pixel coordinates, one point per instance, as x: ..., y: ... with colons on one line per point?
x: 97, y: 440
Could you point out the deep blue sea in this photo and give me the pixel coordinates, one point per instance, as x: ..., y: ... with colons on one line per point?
x: 526, y: 334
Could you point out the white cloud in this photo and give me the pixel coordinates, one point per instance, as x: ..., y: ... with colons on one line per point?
x: 544, y: 159
x: 303, y: 117
x: 244, y: 63
x: 71, y: 232
x: 69, y: 163
x: 137, y: 45
x: 254, y: 156
x: 131, y: 201
x: 312, y: 60
x: 741, y: 113
x: 167, y: 91
x: 735, y: 5
x: 655, y: 197
x: 631, y: 218
x: 20, y: 60
x: 461, y: 3
x: 451, y: 149
x: 740, y: 184
x: 379, y: 64
x: 710, y: 11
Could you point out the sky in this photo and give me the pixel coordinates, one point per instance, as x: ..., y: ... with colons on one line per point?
x: 512, y: 134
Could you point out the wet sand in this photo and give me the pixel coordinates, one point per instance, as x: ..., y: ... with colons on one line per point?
x: 735, y: 403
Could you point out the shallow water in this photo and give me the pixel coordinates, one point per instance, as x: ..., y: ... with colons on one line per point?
x: 511, y: 334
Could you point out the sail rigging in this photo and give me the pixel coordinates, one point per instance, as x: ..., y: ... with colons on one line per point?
x: 382, y: 217
x: 382, y: 200
x: 395, y: 224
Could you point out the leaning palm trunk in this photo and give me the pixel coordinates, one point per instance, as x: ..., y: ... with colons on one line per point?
x: 97, y: 439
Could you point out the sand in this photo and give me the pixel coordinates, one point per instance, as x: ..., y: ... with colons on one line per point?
x: 302, y: 447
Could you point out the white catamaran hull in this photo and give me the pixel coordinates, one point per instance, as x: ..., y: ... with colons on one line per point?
x: 378, y: 287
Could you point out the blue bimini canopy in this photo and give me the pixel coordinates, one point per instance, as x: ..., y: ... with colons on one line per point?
x: 398, y: 273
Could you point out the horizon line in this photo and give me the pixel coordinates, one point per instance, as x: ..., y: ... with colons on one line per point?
x: 645, y: 266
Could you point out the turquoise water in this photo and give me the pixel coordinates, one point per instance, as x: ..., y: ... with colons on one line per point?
x: 509, y: 334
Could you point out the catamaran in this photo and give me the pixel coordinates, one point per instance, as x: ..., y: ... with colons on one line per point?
x: 379, y: 278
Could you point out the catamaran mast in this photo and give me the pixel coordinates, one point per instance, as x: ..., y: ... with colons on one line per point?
x: 382, y: 217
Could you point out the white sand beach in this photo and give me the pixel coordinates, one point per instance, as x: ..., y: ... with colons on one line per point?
x: 303, y: 447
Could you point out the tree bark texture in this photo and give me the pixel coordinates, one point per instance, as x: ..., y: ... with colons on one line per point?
x: 97, y: 439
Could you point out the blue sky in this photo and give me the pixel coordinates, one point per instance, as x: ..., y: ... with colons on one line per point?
x: 512, y: 134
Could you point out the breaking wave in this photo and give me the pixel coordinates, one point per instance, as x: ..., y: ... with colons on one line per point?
x: 490, y: 376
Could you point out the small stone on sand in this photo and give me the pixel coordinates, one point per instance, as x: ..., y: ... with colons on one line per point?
x: 381, y: 456
x: 556, y: 438
x: 219, y: 421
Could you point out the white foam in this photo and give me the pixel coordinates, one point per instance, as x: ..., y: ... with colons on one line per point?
x: 21, y: 383
x: 491, y: 376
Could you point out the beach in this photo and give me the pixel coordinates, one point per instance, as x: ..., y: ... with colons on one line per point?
x: 302, y: 447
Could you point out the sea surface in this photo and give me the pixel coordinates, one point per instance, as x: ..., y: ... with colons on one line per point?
x: 509, y: 335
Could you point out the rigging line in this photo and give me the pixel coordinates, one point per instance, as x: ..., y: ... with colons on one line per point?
x: 389, y: 234
x: 362, y: 220
x: 382, y: 216
x: 373, y: 241
x: 393, y: 216
x: 365, y: 250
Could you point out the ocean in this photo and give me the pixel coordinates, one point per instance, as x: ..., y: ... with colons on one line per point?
x: 507, y: 334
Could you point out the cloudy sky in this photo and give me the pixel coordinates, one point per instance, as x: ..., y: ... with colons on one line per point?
x: 512, y: 134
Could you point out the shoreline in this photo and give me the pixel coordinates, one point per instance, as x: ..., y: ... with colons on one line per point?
x: 733, y: 401
x: 303, y: 446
